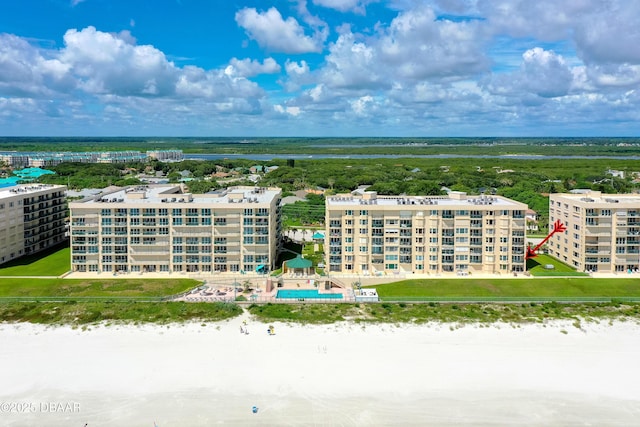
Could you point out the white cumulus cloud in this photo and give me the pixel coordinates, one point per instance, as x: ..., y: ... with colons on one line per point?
x: 27, y: 72
x: 274, y: 33
x: 107, y: 63
x: 250, y: 67
x: 543, y: 73
x: 357, y: 6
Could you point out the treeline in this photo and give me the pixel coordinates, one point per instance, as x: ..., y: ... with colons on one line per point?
x: 528, y: 181
x: 346, y: 146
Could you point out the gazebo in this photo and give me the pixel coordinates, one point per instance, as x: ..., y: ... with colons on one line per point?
x: 298, y: 265
x: 317, y: 236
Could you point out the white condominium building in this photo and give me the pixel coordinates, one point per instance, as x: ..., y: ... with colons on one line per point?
x: 166, y: 155
x: 603, y: 231
x: 31, y: 219
x: 371, y: 234
x: 160, y: 228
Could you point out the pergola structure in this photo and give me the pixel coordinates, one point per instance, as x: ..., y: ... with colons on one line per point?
x: 298, y: 265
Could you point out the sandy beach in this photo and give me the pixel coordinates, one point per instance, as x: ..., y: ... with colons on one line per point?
x: 344, y: 374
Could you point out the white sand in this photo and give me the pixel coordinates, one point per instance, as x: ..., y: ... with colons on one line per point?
x: 347, y: 374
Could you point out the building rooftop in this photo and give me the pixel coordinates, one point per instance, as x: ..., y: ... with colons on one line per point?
x: 598, y: 197
x: 143, y: 194
x: 26, y: 189
x: 454, y: 199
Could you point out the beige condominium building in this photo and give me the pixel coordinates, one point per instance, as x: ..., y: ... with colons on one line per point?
x: 31, y: 219
x: 162, y: 229
x: 603, y: 231
x: 371, y: 234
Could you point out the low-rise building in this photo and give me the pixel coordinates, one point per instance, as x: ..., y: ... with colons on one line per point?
x: 166, y: 155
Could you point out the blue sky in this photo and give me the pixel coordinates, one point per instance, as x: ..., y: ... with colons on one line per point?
x: 320, y: 68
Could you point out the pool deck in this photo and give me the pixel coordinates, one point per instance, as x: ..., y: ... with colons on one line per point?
x: 211, y: 292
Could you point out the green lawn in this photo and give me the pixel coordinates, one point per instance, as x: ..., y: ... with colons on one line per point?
x: 15, y: 287
x: 536, y: 267
x: 52, y: 262
x: 555, y: 287
x: 309, y: 253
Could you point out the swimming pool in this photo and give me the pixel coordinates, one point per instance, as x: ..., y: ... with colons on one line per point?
x: 304, y: 293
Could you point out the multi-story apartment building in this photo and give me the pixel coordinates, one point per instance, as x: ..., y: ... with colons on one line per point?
x: 166, y: 155
x: 603, y: 231
x: 372, y: 234
x: 45, y: 159
x: 31, y: 219
x: 161, y: 228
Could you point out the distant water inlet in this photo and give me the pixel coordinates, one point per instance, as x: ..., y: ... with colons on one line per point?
x: 300, y: 294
